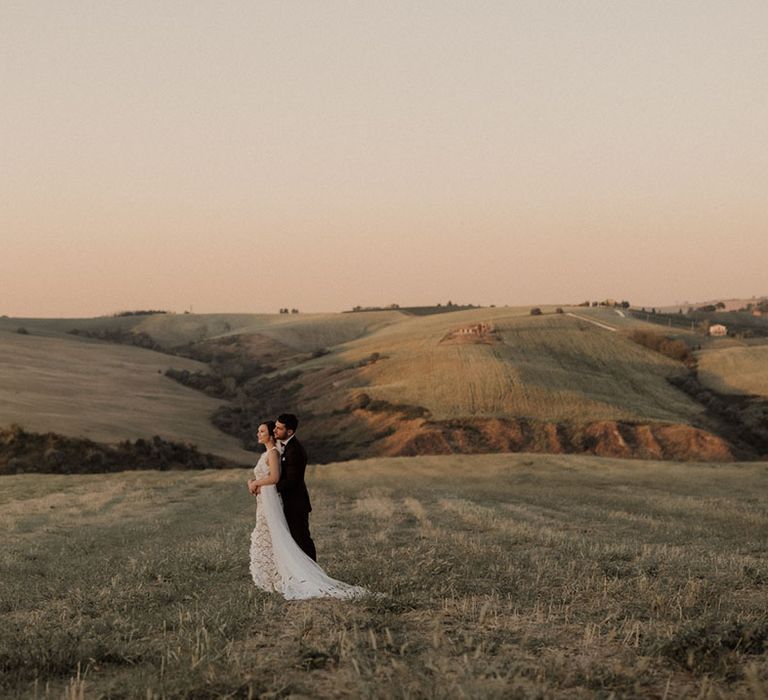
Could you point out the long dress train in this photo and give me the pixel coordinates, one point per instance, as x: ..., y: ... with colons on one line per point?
x: 277, y: 563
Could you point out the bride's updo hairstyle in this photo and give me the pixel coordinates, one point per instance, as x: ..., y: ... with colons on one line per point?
x: 270, y: 427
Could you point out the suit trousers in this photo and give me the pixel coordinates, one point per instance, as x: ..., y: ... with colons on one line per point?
x: 298, y: 524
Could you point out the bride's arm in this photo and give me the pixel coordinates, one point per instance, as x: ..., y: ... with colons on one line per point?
x: 273, y: 460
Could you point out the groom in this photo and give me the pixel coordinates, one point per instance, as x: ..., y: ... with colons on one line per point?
x: 291, y: 486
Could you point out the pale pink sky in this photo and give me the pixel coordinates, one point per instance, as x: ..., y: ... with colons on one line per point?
x: 244, y: 156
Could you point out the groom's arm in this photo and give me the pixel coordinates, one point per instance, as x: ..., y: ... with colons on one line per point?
x: 293, y: 472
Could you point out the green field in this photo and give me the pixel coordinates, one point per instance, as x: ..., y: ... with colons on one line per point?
x: 499, y: 576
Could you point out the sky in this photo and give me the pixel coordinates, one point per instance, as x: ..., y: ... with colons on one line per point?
x: 246, y: 156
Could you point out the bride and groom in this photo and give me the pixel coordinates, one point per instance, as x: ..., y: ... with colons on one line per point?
x: 283, y: 557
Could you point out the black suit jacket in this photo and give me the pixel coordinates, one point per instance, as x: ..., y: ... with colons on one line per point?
x: 291, y: 486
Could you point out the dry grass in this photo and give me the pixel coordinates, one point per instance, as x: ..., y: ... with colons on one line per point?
x: 735, y: 370
x: 303, y: 332
x: 551, y: 368
x: 104, y: 392
x: 501, y: 576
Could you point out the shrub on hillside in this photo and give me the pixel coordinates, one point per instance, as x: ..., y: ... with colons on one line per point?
x: 140, y: 339
x: 23, y: 331
x: 676, y: 349
x: 259, y: 398
x: 25, y: 452
x: 148, y: 312
x: 536, y: 311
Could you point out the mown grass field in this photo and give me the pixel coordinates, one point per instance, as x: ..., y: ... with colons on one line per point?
x: 499, y: 576
x: 104, y: 392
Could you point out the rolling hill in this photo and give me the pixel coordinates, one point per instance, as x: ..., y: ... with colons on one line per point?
x: 104, y: 392
x: 365, y: 384
x: 736, y: 370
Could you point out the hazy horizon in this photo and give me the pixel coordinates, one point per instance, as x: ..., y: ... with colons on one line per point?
x: 246, y: 157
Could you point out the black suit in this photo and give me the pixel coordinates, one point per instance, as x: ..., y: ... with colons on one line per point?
x: 292, y: 488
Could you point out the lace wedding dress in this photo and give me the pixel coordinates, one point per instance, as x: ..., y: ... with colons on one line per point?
x: 277, y: 563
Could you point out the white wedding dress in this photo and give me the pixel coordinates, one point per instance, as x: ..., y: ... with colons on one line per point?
x: 277, y: 563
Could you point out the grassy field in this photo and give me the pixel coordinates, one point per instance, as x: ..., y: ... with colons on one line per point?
x: 303, y: 332
x: 499, y: 576
x: 104, y: 392
x: 551, y: 367
x: 736, y: 370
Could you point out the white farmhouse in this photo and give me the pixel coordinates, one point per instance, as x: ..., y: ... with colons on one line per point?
x: 718, y: 329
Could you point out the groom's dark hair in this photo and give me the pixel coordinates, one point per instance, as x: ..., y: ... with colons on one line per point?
x: 289, y: 421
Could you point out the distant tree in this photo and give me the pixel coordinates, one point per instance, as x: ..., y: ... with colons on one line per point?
x: 535, y: 311
x: 294, y: 311
x: 450, y: 303
x: 594, y: 303
x: 720, y: 305
x: 559, y: 310
x: 141, y: 312
x: 625, y: 304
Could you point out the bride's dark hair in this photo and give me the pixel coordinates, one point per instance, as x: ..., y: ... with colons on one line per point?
x: 270, y: 427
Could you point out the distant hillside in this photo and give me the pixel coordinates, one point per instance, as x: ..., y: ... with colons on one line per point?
x: 450, y: 307
x: 384, y: 382
x: 739, y: 324
x: 731, y: 304
x: 736, y: 369
x: 104, y: 392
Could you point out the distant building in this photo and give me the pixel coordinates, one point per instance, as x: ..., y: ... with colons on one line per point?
x: 718, y: 329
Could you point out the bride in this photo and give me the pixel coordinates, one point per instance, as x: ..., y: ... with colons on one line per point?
x: 277, y: 562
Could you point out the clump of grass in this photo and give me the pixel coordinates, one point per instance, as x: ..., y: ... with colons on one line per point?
x: 715, y: 646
